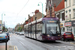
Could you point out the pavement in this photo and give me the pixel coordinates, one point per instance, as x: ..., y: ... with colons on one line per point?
x: 8, y: 47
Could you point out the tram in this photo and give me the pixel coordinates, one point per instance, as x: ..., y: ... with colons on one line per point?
x: 47, y: 28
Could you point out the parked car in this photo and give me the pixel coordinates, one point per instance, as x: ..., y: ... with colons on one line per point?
x: 8, y: 36
x: 3, y: 37
x: 21, y: 33
x: 68, y: 36
x: 17, y: 33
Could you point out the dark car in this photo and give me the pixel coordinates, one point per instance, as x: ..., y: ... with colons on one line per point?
x: 8, y: 36
x: 68, y: 36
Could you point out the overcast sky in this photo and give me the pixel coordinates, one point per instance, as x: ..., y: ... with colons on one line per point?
x: 17, y: 10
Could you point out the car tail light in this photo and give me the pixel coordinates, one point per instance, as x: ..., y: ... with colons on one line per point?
x: 64, y: 34
x: 6, y: 36
x: 72, y: 34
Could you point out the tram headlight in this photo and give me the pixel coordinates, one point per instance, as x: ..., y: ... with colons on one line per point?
x: 48, y: 35
x: 58, y: 35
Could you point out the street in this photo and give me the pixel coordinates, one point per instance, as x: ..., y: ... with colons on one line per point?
x: 21, y: 43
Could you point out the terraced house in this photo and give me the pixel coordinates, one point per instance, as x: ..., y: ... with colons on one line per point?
x: 70, y: 16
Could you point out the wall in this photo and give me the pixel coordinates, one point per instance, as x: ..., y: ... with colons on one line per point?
x: 67, y: 8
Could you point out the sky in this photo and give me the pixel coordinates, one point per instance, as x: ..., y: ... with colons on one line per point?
x: 17, y: 10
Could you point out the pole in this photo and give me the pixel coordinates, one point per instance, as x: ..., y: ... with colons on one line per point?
x: 42, y: 10
x: 6, y: 46
x: 2, y: 20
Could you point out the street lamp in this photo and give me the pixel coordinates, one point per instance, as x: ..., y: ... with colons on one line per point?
x: 42, y: 8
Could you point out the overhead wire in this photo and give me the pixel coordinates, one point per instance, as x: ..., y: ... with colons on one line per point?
x: 23, y: 7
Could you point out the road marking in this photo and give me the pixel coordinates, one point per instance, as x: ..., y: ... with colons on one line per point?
x: 72, y: 43
x: 21, y: 43
x: 15, y: 48
x: 25, y: 46
x: 58, y: 49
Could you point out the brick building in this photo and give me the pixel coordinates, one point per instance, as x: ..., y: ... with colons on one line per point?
x: 38, y: 15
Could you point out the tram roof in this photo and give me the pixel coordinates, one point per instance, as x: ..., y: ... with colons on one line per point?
x: 46, y: 18
x: 33, y: 22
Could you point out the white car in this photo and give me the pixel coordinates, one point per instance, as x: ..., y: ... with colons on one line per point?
x: 21, y: 33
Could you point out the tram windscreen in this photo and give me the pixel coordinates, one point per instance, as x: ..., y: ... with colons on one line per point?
x: 52, y: 28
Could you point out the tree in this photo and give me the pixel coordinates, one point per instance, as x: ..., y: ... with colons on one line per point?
x: 4, y: 29
x: 19, y: 29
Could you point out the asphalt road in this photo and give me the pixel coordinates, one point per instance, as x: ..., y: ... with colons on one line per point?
x: 22, y: 43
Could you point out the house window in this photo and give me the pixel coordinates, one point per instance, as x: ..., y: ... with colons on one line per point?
x: 70, y: 16
x: 74, y: 13
x: 63, y: 16
x: 70, y: 10
x: 69, y: 2
x: 66, y: 3
x: 73, y: 1
x: 58, y: 16
x: 66, y: 11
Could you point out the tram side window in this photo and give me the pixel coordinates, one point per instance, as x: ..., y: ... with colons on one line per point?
x: 39, y: 27
x: 33, y: 28
x: 24, y: 29
x: 30, y: 29
x: 43, y: 28
x: 27, y: 29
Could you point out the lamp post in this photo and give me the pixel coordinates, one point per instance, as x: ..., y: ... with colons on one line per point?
x: 42, y: 8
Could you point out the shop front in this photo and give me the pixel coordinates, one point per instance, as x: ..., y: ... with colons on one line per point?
x: 73, y: 25
x: 68, y: 27
x: 62, y: 28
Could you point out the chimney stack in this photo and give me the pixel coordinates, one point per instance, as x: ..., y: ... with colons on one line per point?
x: 36, y: 11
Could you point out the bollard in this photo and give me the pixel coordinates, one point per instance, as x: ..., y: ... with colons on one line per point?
x: 6, y: 46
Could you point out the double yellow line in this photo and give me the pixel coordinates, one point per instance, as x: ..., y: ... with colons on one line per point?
x: 15, y: 48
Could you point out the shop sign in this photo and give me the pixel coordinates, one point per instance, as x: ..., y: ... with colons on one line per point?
x: 0, y: 24
x: 73, y: 23
x: 61, y: 24
x: 68, y: 24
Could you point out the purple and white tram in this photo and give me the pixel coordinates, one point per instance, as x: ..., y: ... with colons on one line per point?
x: 47, y: 28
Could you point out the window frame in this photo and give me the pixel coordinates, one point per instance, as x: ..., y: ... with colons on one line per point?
x: 74, y: 13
